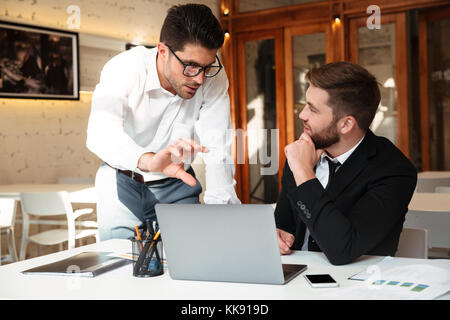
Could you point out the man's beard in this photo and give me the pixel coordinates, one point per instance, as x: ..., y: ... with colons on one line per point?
x: 177, y: 86
x: 327, y: 137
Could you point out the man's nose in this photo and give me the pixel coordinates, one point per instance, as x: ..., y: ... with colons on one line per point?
x: 200, y: 78
x: 302, y: 114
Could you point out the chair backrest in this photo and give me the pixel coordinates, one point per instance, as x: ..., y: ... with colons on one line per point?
x: 7, y: 212
x: 46, y: 203
x: 413, y: 243
x: 435, y: 222
x: 430, y: 184
x: 442, y: 189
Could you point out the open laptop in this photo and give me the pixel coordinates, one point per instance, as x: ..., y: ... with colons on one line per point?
x: 235, y: 243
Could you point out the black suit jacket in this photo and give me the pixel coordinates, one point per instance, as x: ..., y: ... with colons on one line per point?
x: 363, y: 210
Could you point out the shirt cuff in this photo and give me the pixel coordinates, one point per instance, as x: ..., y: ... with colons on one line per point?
x: 224, y: 195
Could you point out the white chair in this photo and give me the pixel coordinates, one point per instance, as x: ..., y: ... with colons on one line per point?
x: 7, y: 219
x: 442, y: 190
x: 46, y: 204
x: 430, y: 184
x: 413, y: 243
x: 437, y: 223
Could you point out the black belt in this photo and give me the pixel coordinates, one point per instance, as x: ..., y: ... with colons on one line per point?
x: 139, y: 178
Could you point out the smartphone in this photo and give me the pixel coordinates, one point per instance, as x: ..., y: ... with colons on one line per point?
x: 321, y: 280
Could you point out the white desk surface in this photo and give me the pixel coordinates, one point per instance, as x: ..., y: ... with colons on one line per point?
x: 120, y: 283
x: 437, y: 202
x: 433, y: 174
x: 79, y: 193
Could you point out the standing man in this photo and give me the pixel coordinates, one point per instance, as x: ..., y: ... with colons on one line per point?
x: 344, y: 190
x: 147, y: 109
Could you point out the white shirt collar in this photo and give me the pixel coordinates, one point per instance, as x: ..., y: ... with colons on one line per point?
x: 343, y: 157
x: 152, y: 82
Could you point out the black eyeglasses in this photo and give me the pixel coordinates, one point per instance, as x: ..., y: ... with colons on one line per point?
x: 193, y: 70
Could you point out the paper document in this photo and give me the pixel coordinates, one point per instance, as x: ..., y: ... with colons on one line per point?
x: 403, y: 278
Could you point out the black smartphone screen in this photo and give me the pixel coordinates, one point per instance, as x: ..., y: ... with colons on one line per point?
x: 320, y: 278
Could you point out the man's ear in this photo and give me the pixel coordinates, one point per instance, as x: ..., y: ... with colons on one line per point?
x: 163, y: 51
x: 346, y: 124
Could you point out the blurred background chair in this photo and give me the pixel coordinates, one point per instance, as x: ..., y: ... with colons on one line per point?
x: 442, y: 190
x: 413, y: 243
x: 429, y: 184
x: 437, y: 224
x: 45, y: 204
x: 7, y: 219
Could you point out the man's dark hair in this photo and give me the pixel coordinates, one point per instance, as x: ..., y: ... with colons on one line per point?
x: 352, y: 90
x: 191, y: 23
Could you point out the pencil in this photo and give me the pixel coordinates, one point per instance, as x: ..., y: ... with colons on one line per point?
x: 150, y: 252
x: 138, y: 234
x: 153, y: 241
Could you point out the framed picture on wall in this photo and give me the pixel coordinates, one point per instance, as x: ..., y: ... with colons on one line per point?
x: 38, y: 63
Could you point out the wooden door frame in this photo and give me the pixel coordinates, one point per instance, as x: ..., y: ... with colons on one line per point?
x: 401, y: 69
x: 289, y: 33
x: 277, y: 35
x: 425, y: 17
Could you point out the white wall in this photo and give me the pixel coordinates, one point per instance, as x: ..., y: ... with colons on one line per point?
x: 43, y: 140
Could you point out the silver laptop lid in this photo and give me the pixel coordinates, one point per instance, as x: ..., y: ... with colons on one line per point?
x: 236, y: 243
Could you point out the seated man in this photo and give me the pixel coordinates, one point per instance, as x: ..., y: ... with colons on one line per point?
x: 345, y: 191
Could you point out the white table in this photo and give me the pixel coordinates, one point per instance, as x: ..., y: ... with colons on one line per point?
x: 120, y: 283
x: 79, y: 193
x: 433, y: 174
x: 425, y: 201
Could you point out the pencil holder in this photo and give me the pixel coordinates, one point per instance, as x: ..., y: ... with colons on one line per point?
x: 147, y: 257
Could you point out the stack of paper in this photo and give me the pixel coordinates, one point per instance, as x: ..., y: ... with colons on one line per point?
x: 402, y: 278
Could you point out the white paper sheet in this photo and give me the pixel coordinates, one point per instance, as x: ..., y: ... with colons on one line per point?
x: 402, y: 278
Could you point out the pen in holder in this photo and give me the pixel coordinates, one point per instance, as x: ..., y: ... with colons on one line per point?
x: 147, y: 256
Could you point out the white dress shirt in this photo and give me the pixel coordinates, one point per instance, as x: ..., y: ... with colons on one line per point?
x: 323, y: 172
x: 132, y: 114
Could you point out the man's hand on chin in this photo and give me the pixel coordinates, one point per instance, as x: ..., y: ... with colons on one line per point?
x: 302, y: 156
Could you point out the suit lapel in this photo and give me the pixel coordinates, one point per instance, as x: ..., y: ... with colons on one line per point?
x: 353, y: 166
